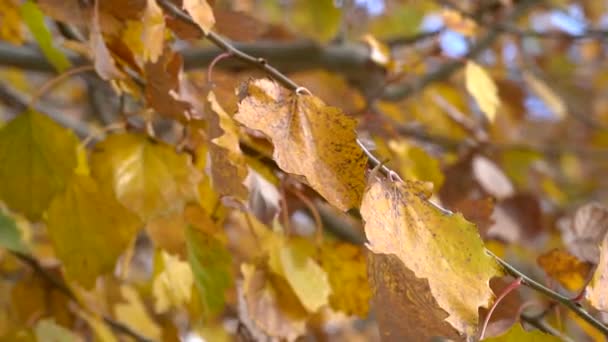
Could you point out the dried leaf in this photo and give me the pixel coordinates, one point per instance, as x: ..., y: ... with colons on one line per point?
x: 565, y: 268
x: 133, y: 313
x: 481, y: 86
x: 103, y: 60
x: 491, y: 178
x: 442, y: 248
x: 201, y: 13
x: 585, y: 230
x: 228, y: 167
x: 346, y: 268
x: 153, y: 32
x: 34, y: 19
x: 310, y: 139
x: 267, y: 303
x: 405, y: 307
x: 37, y: 159
x: 211, y: 266
x: 596, y: 292
x: 147, y: 176
x: 172, y: 288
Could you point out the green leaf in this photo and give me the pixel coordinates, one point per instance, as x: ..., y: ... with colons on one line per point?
x: 210, y: 262
x: 89, y: 229
x: 37, y: 159
x: 34, y: 19
x: 10, y: 235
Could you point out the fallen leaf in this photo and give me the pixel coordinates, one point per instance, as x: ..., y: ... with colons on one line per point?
x: 133, y: 313
x: 583, y: 232
x: 596, y: 292
x: 565, y: 268
x: 211, y: 265
x: 10, y: 235
x: 481, y: 86
x: 78, y: 222
x: 147, y: 176
x: 172, y: 288
x: 201, y: 13
x: 267, y: 303
x: 37, y: 159
x: 405, y: 307
x: 346, y: 268
x: 153, y: 32
x: 310, y: 139
x: 517, y: 333
x: 228, y: 167
x: 34, y: 19
x: 442, y: 248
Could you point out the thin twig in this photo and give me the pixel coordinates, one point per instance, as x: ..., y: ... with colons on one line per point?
x: 58, y: 79
x: 567, y: 302
x: 64, y: 289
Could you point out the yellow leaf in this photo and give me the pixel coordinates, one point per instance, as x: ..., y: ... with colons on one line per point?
x: 481, y: 86
x: 172, y: 288
x: 153, y: 32
x: 546, y: 94
x: 310, y: 139
x: 49, y: 331
x: 518, y: 334
x: 458, y: 23
x: 37, y: 159
x: 267, y: 303
x: 211, y: 266
x: 415, y: 163
x: 307, y: 279
x: 596, y: 292
x: 101, y: 330
x: 147, y: 176
x: 201, y: 13
x: 565, y: 268
x: 133, y: 313
x: 346, y: 269
x: 11, y: 28
x: 89, y: 229
x: 442, y: 248
x: 228, y: 168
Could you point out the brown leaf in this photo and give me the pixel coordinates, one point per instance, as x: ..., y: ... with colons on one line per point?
x: 506, y: 313
x: 491, y: 178
x: 596, y: 292
x: 584, y: 231
x: 517, y: 218
x: 565, y: 268
x: 442, y: 248
x: 405, y: 307
x: 103, y: 60
x: 162, y: 86
x: 310, y: 139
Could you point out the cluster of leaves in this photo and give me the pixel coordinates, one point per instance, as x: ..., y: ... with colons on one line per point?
x: 234, y: 203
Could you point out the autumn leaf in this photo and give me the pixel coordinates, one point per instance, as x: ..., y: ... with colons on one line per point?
x: 172, y: 288
x: 201, y: 13
x: 102, y: 58
x: 37, y: 159
x: 546, y: 94
x: 346, y: 269
x: 416, y: 164
x: 481, y: 86
x: 268, y: 304
x: 310, y: 139
x: 47, y: 330
x: 211, y: 266
x: 147, y: 176
x: 10, y: 235
x: 583, y: 231
x: 228, y: 167
x: 436, y: 246
x: 406, y: 308
x: 10, y: 22
x: 565, y: 268
x: 89, y: 229
x: 134, y: 314
x: 596, y: 292
x: 517, y: 333
x: 153, y: 32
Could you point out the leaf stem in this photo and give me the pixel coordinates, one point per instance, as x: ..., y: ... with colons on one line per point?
x: 513, y: 286
x: 567, y: 302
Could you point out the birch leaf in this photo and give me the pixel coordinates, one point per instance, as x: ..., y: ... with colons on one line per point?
x: 481, y: 86
x: 201, y: 13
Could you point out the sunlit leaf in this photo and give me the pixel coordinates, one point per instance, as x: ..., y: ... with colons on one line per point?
x: 481, y: 86
x: 201, y: 13
x: 153, y: 31
x: 147, y: 176
x: 133, y: 313
x: 48, y: 331
x: 89, y: 229
x: 436, y: 246
x: 211, y: 265
x: 310, y: 139
x: 172, y: 288
x: 565, y: 268
x: 416, y: 164
x: 34, y: 19
x: 37, y: 158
